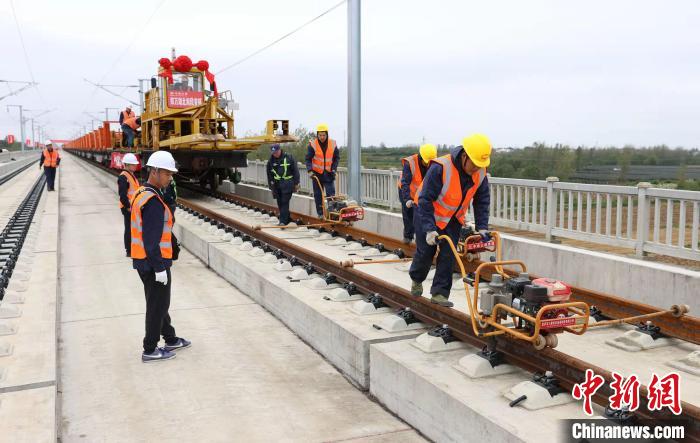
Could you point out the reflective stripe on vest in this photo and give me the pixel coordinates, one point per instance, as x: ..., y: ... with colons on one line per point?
x: 285, y: 163
x: 320, y: 162
x: 138, y: 250
x: 133, y: 187
x: 417, y: 177
x: 50, y: 158
x: 449, y: 202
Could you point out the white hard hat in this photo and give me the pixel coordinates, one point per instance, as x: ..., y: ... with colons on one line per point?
x: 130, y: 159
x: 48, y: 142
x: 162, y: 160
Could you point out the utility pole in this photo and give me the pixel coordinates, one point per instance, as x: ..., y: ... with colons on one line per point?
x: 107, y: 112
x: 21, y: 122
x: 41, y: 112
x: 141, y: 91
x: 354, y: 88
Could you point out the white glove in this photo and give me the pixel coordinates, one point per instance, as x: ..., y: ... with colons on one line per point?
x: 409, y: 203
x: 162, y: 277
x: 431, y: 238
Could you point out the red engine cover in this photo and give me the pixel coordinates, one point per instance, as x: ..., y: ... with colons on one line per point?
x: 557, y: 291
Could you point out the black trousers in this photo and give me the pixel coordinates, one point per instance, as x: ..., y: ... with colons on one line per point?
x: 50, y: 177
x: 157, y: 317
x: 329, y: 187
x: 444, y: 266
x: 127, y: 230
x: 407, y: 214
x: 283, y: 205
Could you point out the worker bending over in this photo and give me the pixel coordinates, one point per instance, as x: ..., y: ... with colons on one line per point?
x: 127, y: 185
x: 153, y: 249
x: 283, y: 180
x: 125, y: 115
x: 50, y: 159
x: 130, y: 126
x: 414, y: 167
x: 322, y: 161
x: 452, y: 182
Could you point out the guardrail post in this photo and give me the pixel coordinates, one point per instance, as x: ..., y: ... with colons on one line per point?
x: 642, y: 218
x: 551, y: 208
x: 390, y: 193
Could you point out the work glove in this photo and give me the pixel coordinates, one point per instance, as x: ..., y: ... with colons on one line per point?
x: 311, y: 173
x: 485, y: 235
x: 431, y: 238
x: 409, y: 203
x: 162, y: 277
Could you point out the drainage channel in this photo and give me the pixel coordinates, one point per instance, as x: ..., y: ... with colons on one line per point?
x: 14, y: 235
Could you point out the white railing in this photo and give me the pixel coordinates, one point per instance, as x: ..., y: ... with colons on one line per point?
x: 646, y: 219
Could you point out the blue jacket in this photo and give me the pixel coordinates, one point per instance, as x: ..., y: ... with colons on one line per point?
x: 407, y: 178
x: 283, y: 186
x: 153, y: 218
x: 432, y: 184
x: 326, y: 177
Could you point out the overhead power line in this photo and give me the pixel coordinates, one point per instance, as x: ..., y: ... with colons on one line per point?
x: 253, y: 54
x: 21, y: 40
x: 110, y: 92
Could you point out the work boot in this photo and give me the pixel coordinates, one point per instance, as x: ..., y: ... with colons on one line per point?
x: 441, y: 300
x: 416, y: 289
x: 159, y: 354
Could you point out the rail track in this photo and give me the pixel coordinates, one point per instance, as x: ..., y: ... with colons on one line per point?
x: 567, y: 369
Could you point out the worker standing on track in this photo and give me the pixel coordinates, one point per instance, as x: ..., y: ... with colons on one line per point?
x: 129, y: 127
x: 127, y: 185
x: 153, y: 250
x: 322, y: 161
x: 50, y: 159
x: 452, y: 182
x: 414, y: 168
x: 124, y: 115
x: 283, y: 179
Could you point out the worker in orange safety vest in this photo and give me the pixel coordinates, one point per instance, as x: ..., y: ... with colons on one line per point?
x: 127, y: 185
x: 414, y: 169
x: 453, y: 183
x: 50, y: 159
x: 322, y: 162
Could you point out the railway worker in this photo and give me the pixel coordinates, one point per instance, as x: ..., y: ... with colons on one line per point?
x: 283, y: 180
x: 452, y: 182
x: 125, y: 114
x: 153, y: 250
x: 129, y: 127
x: 322, y: 162
x: 127, y: 185
x: 414, y: 167
x: 50, y: 159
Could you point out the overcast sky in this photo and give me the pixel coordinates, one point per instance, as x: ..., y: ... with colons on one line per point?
x: 593, y: 72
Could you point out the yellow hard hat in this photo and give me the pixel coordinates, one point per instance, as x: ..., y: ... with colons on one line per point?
x: 478, y: 148
x: 428, y: 152
x: 322, y: 128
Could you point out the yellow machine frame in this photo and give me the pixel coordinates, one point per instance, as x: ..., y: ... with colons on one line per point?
x: 491, y: 325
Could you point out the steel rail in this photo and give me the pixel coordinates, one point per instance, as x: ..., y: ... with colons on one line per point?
x: 686, y: 328
x: 567, y: 369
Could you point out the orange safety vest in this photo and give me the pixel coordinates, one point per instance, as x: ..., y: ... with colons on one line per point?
x: 320, y: 163
x: 413, y: 163
x: 131, y: 122
x: 138, y: 250
x: 50, y: 158
x: 127, y: 114
x: 449, y: 203
x: 133, y: 186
